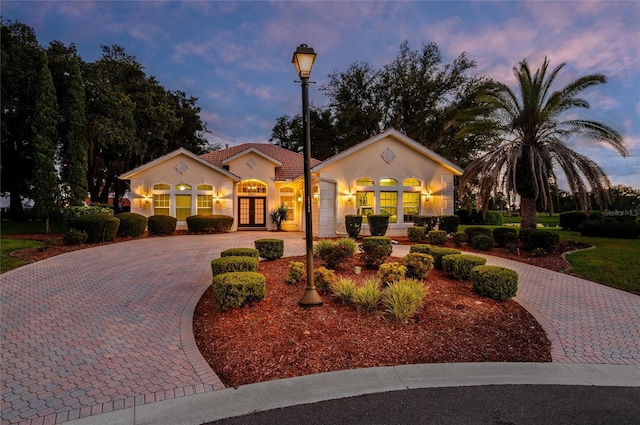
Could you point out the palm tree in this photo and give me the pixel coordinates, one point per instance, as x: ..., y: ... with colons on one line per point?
x: 528, y: 138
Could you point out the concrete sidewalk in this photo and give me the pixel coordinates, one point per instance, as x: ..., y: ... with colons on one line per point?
x: 108, y: 330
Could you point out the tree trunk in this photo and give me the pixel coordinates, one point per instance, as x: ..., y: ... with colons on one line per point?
x: 527, y: 212
x: 16, y: 210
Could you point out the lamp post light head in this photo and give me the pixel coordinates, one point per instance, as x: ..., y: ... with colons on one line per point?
x: 303, y: 59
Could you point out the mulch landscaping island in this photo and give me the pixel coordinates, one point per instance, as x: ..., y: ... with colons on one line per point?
x: 275, y: 338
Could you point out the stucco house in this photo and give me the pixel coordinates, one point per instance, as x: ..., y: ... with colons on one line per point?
x: 387, y: 174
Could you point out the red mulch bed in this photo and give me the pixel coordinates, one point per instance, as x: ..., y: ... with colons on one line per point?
x: 276, y: 338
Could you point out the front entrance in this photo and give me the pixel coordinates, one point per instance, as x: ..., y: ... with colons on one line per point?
x: 252, y: 212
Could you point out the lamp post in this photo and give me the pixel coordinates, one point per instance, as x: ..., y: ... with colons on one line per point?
x: 303, y: 59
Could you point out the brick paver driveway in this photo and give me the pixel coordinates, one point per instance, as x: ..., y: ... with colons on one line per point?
x: 107, y: 328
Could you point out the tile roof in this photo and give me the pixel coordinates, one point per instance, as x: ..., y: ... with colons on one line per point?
x: 292, y: 162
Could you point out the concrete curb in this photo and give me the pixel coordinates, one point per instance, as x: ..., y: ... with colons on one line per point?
x: 231, y: 402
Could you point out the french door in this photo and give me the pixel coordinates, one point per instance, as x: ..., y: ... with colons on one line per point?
x: 252, y: 212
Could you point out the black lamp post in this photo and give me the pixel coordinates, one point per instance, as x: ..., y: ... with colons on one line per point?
x: 303, y: 59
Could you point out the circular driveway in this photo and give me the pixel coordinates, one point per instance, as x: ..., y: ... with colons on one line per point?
x: 108, y: 328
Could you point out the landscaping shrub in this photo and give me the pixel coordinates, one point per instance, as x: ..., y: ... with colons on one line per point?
x: 511, y: 248
x: 162, y: 224
x: 537, y: 238
x: 474, y: 231
x: 417, y: 264
x: 231, y: 290
x: 435, y: 251
x: 427, y: 221
x: 474, y: 217
x: 416, y: 233
x: 69, y: 213
x: 353, y: 223
x: 296, y: 272
x: 539, y: 252
x: 334, y: 253
x: 378, y: 224
x: 279, y: 215
x: 492, y: 218
x: 391, y: 272
x: 482, y: 243
x: 499, y: 234
x: 367, y: 296
x: 209, y: 223
x: 494, y: 282
x: 437, y: 237
x: 449, y: 223
x: 75, y: 237
x: 459, y: 238
x: 343, y: 289
x: 375, y: 249
x: 270, y: 249
x: 98, y: 227
x: 323, y: 278
x: 131, y: 224
x: 240, y: 252
x: 233, y: 264
x: 610, y: 228
x: 402, y: 299
x: 459, y: 266
x: 570, y: 220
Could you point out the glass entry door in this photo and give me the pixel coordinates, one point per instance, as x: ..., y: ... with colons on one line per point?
x: 252, y: 212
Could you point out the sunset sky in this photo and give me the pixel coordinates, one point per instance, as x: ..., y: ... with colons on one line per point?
x: 236, y: 56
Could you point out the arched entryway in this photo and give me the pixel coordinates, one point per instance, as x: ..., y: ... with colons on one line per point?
x: 252, y: 205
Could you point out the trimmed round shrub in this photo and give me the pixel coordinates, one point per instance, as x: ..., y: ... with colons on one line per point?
x: 378, y: 224
x: 474, y: 231
x: 511, y: 248
x: 449, y: 223
x: 570, y: 220
x: 499, y: 234
x: 459, y: 266
x: 334, y: 253
x: 427, y: 221
x: 323, y: 278
x: 375, y: 249
x: 209, y: 223
x: 492, y: 218
x: 75, y: 237
x: 497, y: 283
x: 69, y: 213
x: 234, y: 289
x: 132, y: 224
x: 233, y: 264
x: 240, y: 252
x: 474, y: 217
x: 270, y: 249
x: 437, y: 237
x: 162, y: 224
x: 416, y: 233
x: 538, y: 238
x: 482, y: 243
x: 459, y: 238
x: 353, y: 223
x: 539, y: 252
x: 391, y: 272
x: 418, y: 265
x: 98, y: 227
x: 435, y: 251
x: 296, y: 272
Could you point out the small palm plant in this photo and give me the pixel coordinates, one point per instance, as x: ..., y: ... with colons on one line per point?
x: 279, y: 215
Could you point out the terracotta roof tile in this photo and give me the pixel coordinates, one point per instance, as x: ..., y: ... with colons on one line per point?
x: 292, y: 162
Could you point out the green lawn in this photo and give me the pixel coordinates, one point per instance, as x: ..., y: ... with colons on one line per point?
x: 8, y: 227
x: 9, y: 245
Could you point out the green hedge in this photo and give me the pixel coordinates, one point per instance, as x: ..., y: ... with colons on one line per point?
x: 233, y: 264
x: 334, y: 253
x: 375, y: 249
x: 459, y: 265
x: 482, y: 243
x: 132, y: 224
x: 240, y: 252
x: 162, y: 224
x: 459, y: 238
x: 74, y: 237
x: 98, y: 227
x: 474, y: 217
x: 494, y: 282
x: 610, y: 228
x: 437, y: 237
x: 474, y: 231
x: 505, y: 235
x: 69, y: 213
x: 209, y: 223
x: 449, y: 223
x: 416, y: 233
x: 427, y: 221
x: 538, y: 238
x: 231, y: 290
x: 435, y: 251
x: 570, y: 220
x: 270, y: 249
x: 378, y: 224
x: 353, y: 224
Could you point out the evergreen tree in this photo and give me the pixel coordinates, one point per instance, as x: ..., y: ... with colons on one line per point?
x: 45, y: 188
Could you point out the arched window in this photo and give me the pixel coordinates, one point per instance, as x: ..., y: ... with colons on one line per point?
x: 252, y: 187
x: 388, y: 182
x: 365, y: 181
x: 161, y: 186
x: 411, y: 182
x: 183, y: 187
x: 204, y: 187
x: 288, y: 198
